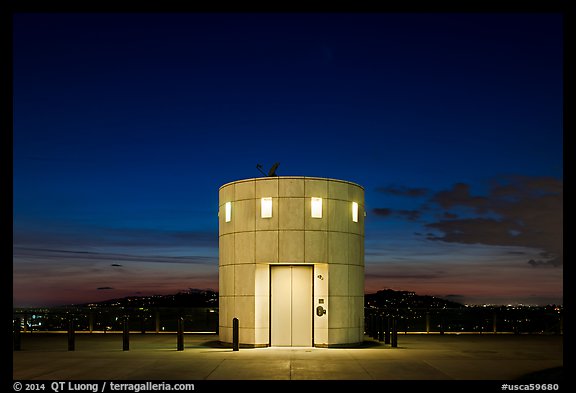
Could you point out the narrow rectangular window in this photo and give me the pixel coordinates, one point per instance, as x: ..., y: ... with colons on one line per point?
x: 228, y: 208
x: 266, y: 207
x: 354, y: 212
x: 316, y: 207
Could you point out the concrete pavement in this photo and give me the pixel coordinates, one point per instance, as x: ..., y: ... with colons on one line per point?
x: 154, y: 357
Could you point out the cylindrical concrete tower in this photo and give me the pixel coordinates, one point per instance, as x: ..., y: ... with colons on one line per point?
x: 291, y: 265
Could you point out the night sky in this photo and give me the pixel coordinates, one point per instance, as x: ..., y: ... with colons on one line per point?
x: 125, y: 126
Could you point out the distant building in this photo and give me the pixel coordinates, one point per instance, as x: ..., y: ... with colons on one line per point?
x: 291, y: 261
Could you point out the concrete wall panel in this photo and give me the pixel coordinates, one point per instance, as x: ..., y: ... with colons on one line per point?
x: 291, y: 247
x: 291, y: 186
x: 245, y: 311
x: 246, y: 334
x: 244, y: 247
x: 262, y: 311
x: 320, y: 336
x: 316, y: 188
x: 337, y: 336
x: 338, y: 190
x: 262, y: 279
x: 337, y: 247
x: 355, y: 194
x: 291, y: 213
x: 338, y: 283
x: 244, y: 190
x: 339, y: 215
x: 355, y: 280
x: 267, y: 187
x: 355, y: 256
x: 245, y: 279
x: 226, y: 249
x: 262, y: 336
x: 266, y: 247
x: 316, y: 246
x: 338, y: 312
x: 226, y: 280
x: 229, y: 309
x: 244, y: 215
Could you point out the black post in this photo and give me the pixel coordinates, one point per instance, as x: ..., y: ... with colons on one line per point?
x: 125, y: 334
x: 494, y: 323
x: 180, y: 344
x: 374, y: 326
x: 370, y: 326
x: 387, y: 331
x: 71, y: 335
x: 17, y: 346
x: 91, y: 321
x: 442, y: 325
x: 381, y: 328
x: 235, y: 343
x: 367, y: 328
x: 394, y: 333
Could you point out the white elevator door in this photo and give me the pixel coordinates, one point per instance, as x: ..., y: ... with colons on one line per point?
x: 291, y: 306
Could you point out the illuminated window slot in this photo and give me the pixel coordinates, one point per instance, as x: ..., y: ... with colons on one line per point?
x: 266, y: 207
x: 228, y: 209
x: 316, y: 207
x: 354, y: 212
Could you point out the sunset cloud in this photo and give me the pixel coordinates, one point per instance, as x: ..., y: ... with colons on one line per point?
x: 518, y: 211
x: 403, y: 191
x: 527, y: 212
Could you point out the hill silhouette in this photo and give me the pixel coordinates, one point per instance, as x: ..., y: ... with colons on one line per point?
x: 389, y: 298
x: 385, y: 298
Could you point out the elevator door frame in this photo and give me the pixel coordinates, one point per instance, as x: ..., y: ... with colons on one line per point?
x: 312, y: 268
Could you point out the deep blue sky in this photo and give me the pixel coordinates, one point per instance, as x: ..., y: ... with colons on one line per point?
x: 126, y: 125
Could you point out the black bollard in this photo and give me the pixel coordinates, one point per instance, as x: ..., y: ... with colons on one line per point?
x: 375, y: 327
x: 91, y: 322
x: 394, y: 343
x: 125, y: 335
x: 71, y: 335
x: 235, y: 341
x: 380, y: 328
x: 17, y: 346
x: 180, y: 344
x: 387, y: 331
x: 494, y: 324
x: 368, y: 326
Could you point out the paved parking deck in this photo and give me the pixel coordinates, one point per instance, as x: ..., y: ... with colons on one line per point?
x: 417, y: 357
